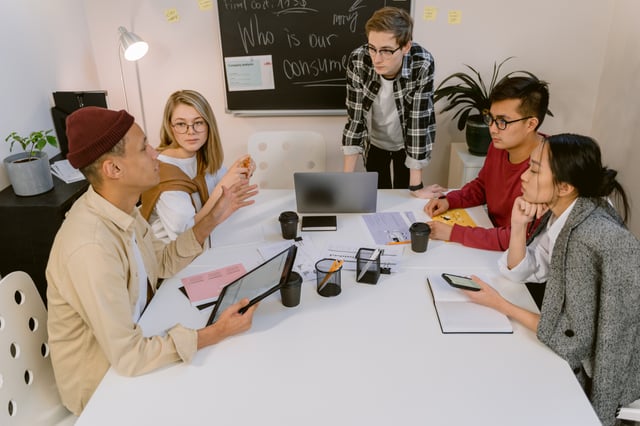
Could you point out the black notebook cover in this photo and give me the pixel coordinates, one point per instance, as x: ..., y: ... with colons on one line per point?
x: 319, y: 223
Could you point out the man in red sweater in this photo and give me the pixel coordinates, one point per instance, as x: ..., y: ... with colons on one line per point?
x: 518, y: 107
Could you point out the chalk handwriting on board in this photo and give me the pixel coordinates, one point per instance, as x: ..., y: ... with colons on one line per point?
x: 309, y: 42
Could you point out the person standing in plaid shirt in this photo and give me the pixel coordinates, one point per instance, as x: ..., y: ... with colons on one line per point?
x: 389, y: 102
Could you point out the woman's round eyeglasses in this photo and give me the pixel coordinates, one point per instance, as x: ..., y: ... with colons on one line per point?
x: 197, y: 126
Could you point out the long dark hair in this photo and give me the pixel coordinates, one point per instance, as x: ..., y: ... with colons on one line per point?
x: 576, y: 160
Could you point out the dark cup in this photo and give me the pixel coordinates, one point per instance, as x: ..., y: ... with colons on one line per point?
x: 290, y: 292
x: 289, y: 225
x: 420, y: 232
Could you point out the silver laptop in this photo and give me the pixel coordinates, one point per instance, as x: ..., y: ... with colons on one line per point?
x: 336, y: 192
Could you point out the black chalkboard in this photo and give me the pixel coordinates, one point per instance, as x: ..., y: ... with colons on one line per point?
x: 309, y: 42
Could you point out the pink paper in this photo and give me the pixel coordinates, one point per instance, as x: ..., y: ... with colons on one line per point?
x: 206, y: 287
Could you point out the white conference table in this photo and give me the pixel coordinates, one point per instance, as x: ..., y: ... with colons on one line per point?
x: 373, y: 355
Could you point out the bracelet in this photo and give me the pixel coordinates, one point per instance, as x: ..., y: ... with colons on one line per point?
x: 416, y: 187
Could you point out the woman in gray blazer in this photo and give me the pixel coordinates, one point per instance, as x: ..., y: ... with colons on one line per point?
x: 590, y: 313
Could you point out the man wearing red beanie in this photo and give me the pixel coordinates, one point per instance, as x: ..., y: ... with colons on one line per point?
x: 105, y: 262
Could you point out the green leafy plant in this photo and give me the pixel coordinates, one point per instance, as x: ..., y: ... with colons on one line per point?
x: 469, y: 93
x: 35, y: 142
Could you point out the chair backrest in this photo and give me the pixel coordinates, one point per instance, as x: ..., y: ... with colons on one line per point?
x: 28, y: 391
x: 280, y: 153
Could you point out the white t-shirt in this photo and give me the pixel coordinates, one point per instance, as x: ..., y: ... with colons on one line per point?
x: 174, y: 212
x: 385, y: 130
x: 535, y: 265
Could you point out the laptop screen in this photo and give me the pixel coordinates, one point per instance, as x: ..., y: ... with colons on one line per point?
x: 336, y: 192
x: 256, y: 284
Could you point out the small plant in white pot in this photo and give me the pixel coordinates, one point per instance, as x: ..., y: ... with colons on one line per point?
x: 29, y: 171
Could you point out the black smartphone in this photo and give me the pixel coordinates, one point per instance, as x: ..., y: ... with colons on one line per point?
x: 458, y: 281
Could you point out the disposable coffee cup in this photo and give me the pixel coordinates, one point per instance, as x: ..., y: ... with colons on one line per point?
x: 289, y: 225
x: 290, y: 292
x: 420, y: 232
x: 328, y: 277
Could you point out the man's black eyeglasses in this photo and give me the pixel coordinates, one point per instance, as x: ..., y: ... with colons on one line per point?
x: 501, y: 123
x: 385, y: 53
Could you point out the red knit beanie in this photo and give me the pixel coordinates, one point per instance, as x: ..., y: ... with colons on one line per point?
x: 92, y: 131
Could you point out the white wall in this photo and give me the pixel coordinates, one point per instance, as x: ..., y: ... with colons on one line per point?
x: 617, y: 113
x: 45, y: 48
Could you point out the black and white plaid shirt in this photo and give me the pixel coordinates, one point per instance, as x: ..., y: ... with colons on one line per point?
x: 413, y: 93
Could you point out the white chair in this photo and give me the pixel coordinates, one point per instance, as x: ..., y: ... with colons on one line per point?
x: 28, y: 391
x: 280, y: 153
x: 630, y: 412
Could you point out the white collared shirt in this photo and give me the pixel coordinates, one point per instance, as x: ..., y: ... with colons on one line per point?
x: 535, y: 265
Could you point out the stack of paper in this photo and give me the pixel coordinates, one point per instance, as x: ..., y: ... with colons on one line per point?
x: 458, y: 314
x: 65, y: 171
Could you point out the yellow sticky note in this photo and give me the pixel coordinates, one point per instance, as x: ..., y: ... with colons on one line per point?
x: 171, y: 15
x: 205, y: 4
x: 455, y: 16
x: 430, y: 13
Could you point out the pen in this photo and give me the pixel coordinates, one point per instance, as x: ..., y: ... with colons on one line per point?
x: 393, y: 243
x: 367, y: 265
x: 334, y: 267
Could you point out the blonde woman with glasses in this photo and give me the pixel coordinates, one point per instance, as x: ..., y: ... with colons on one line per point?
x: 191, y: 170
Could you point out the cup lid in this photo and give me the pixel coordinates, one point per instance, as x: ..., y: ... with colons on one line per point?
x: 294, y: 279
x: 288, y: 216
x: 420, y: 228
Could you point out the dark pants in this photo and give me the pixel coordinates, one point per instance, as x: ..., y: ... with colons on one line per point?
x: 379, y: 160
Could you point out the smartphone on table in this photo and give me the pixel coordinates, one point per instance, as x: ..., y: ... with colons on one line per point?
x: 459, y: 281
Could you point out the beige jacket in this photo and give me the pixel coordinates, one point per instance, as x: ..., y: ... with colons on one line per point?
x: 92, y: 289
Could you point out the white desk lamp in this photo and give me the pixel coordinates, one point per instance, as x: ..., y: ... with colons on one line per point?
x: 133, y: 49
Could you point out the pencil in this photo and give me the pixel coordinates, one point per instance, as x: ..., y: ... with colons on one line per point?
x: 334, y: 267
x: 393, y: 243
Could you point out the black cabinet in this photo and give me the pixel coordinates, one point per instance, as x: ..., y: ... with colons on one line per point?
x: 28, y: 226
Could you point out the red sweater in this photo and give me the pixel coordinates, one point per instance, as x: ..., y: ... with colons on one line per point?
x: 497, y: 186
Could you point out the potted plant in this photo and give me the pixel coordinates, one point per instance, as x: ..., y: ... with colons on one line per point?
x: 469, y: 93
x: 29, y: 171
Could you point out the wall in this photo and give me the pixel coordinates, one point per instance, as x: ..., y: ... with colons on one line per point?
x: 45, y: 48
x: 617, y: 112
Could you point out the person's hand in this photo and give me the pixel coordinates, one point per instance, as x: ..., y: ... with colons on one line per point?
x: 230, y: 323
x: 436, y: 206
x: 524, y: 212
x: 241, y: 169
x: 431, y: 191
x: 440, y: 231
x: 233, y: 198
x: 487, y: 295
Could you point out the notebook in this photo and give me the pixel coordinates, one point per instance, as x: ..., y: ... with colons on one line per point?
x: 336, y: 192
x: 256, y: 284
x: 458, y: 314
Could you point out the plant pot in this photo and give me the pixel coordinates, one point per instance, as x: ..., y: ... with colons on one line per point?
x: 29, y: 176
x: 478, y: 136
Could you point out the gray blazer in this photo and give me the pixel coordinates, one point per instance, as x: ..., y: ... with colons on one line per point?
x: 591, y: 309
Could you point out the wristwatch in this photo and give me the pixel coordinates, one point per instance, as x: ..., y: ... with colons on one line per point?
x: 416, y: 187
